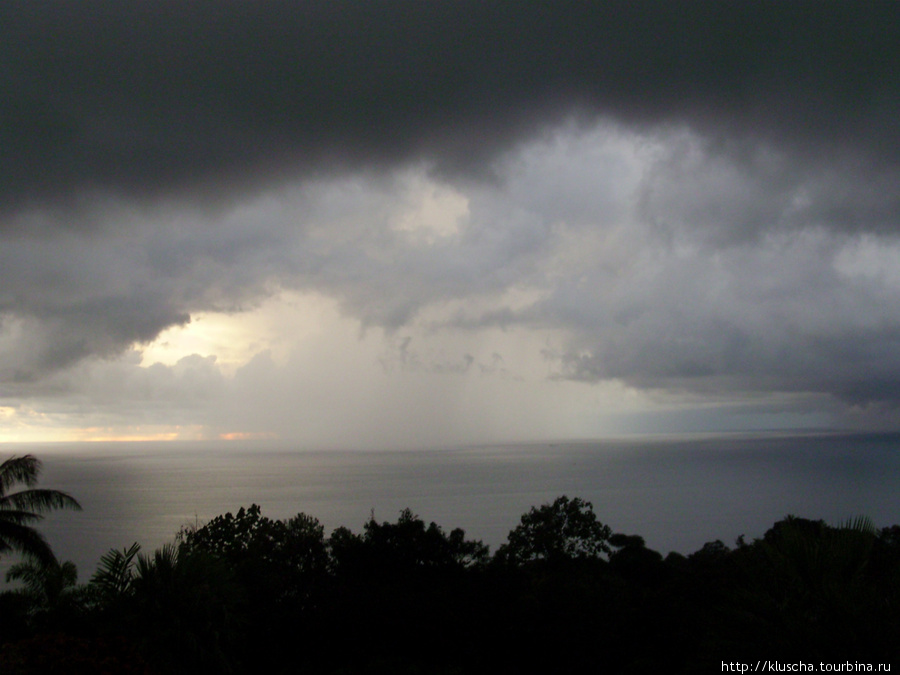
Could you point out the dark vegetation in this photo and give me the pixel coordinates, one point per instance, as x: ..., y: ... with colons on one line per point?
x: 19, y: 510
x: 245, y: 593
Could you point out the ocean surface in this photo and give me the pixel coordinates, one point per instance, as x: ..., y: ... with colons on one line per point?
x: 676, y: 492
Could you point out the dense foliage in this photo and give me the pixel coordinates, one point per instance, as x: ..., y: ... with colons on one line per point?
x: 245, y: 593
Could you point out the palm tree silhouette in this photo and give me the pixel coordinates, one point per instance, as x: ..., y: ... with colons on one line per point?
x: 18, y: 510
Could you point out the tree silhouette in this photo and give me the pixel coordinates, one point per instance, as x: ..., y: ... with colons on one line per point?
x: 19, y: 510
x: 408, y: 544
x: 176, y: 605
x: 245, y: 593
x: 567, y: 529
x: 278, y: 559
x: 54, y: 599
x: 184, y: 604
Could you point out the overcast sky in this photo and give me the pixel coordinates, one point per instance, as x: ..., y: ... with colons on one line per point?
x: 364, y: 224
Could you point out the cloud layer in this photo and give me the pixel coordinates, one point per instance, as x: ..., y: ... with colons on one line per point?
x: 698, y: 202
x: 150, y: 98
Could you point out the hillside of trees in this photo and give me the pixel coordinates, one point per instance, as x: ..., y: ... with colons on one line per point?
x: 245, y: 593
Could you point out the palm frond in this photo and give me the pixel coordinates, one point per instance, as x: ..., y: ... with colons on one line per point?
x: 19, y: 509
x: 26, y: 572
x: 46, y: 583
x: 26, y: 540
x: 39, y: 501
x: 861, y: 524
x: 18, y: 517
x: 19, y: 470
x: 116, y: 570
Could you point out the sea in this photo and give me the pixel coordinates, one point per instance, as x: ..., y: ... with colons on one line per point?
x: 677, y: 492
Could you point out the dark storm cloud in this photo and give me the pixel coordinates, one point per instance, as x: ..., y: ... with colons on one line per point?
x: 144, y: 98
